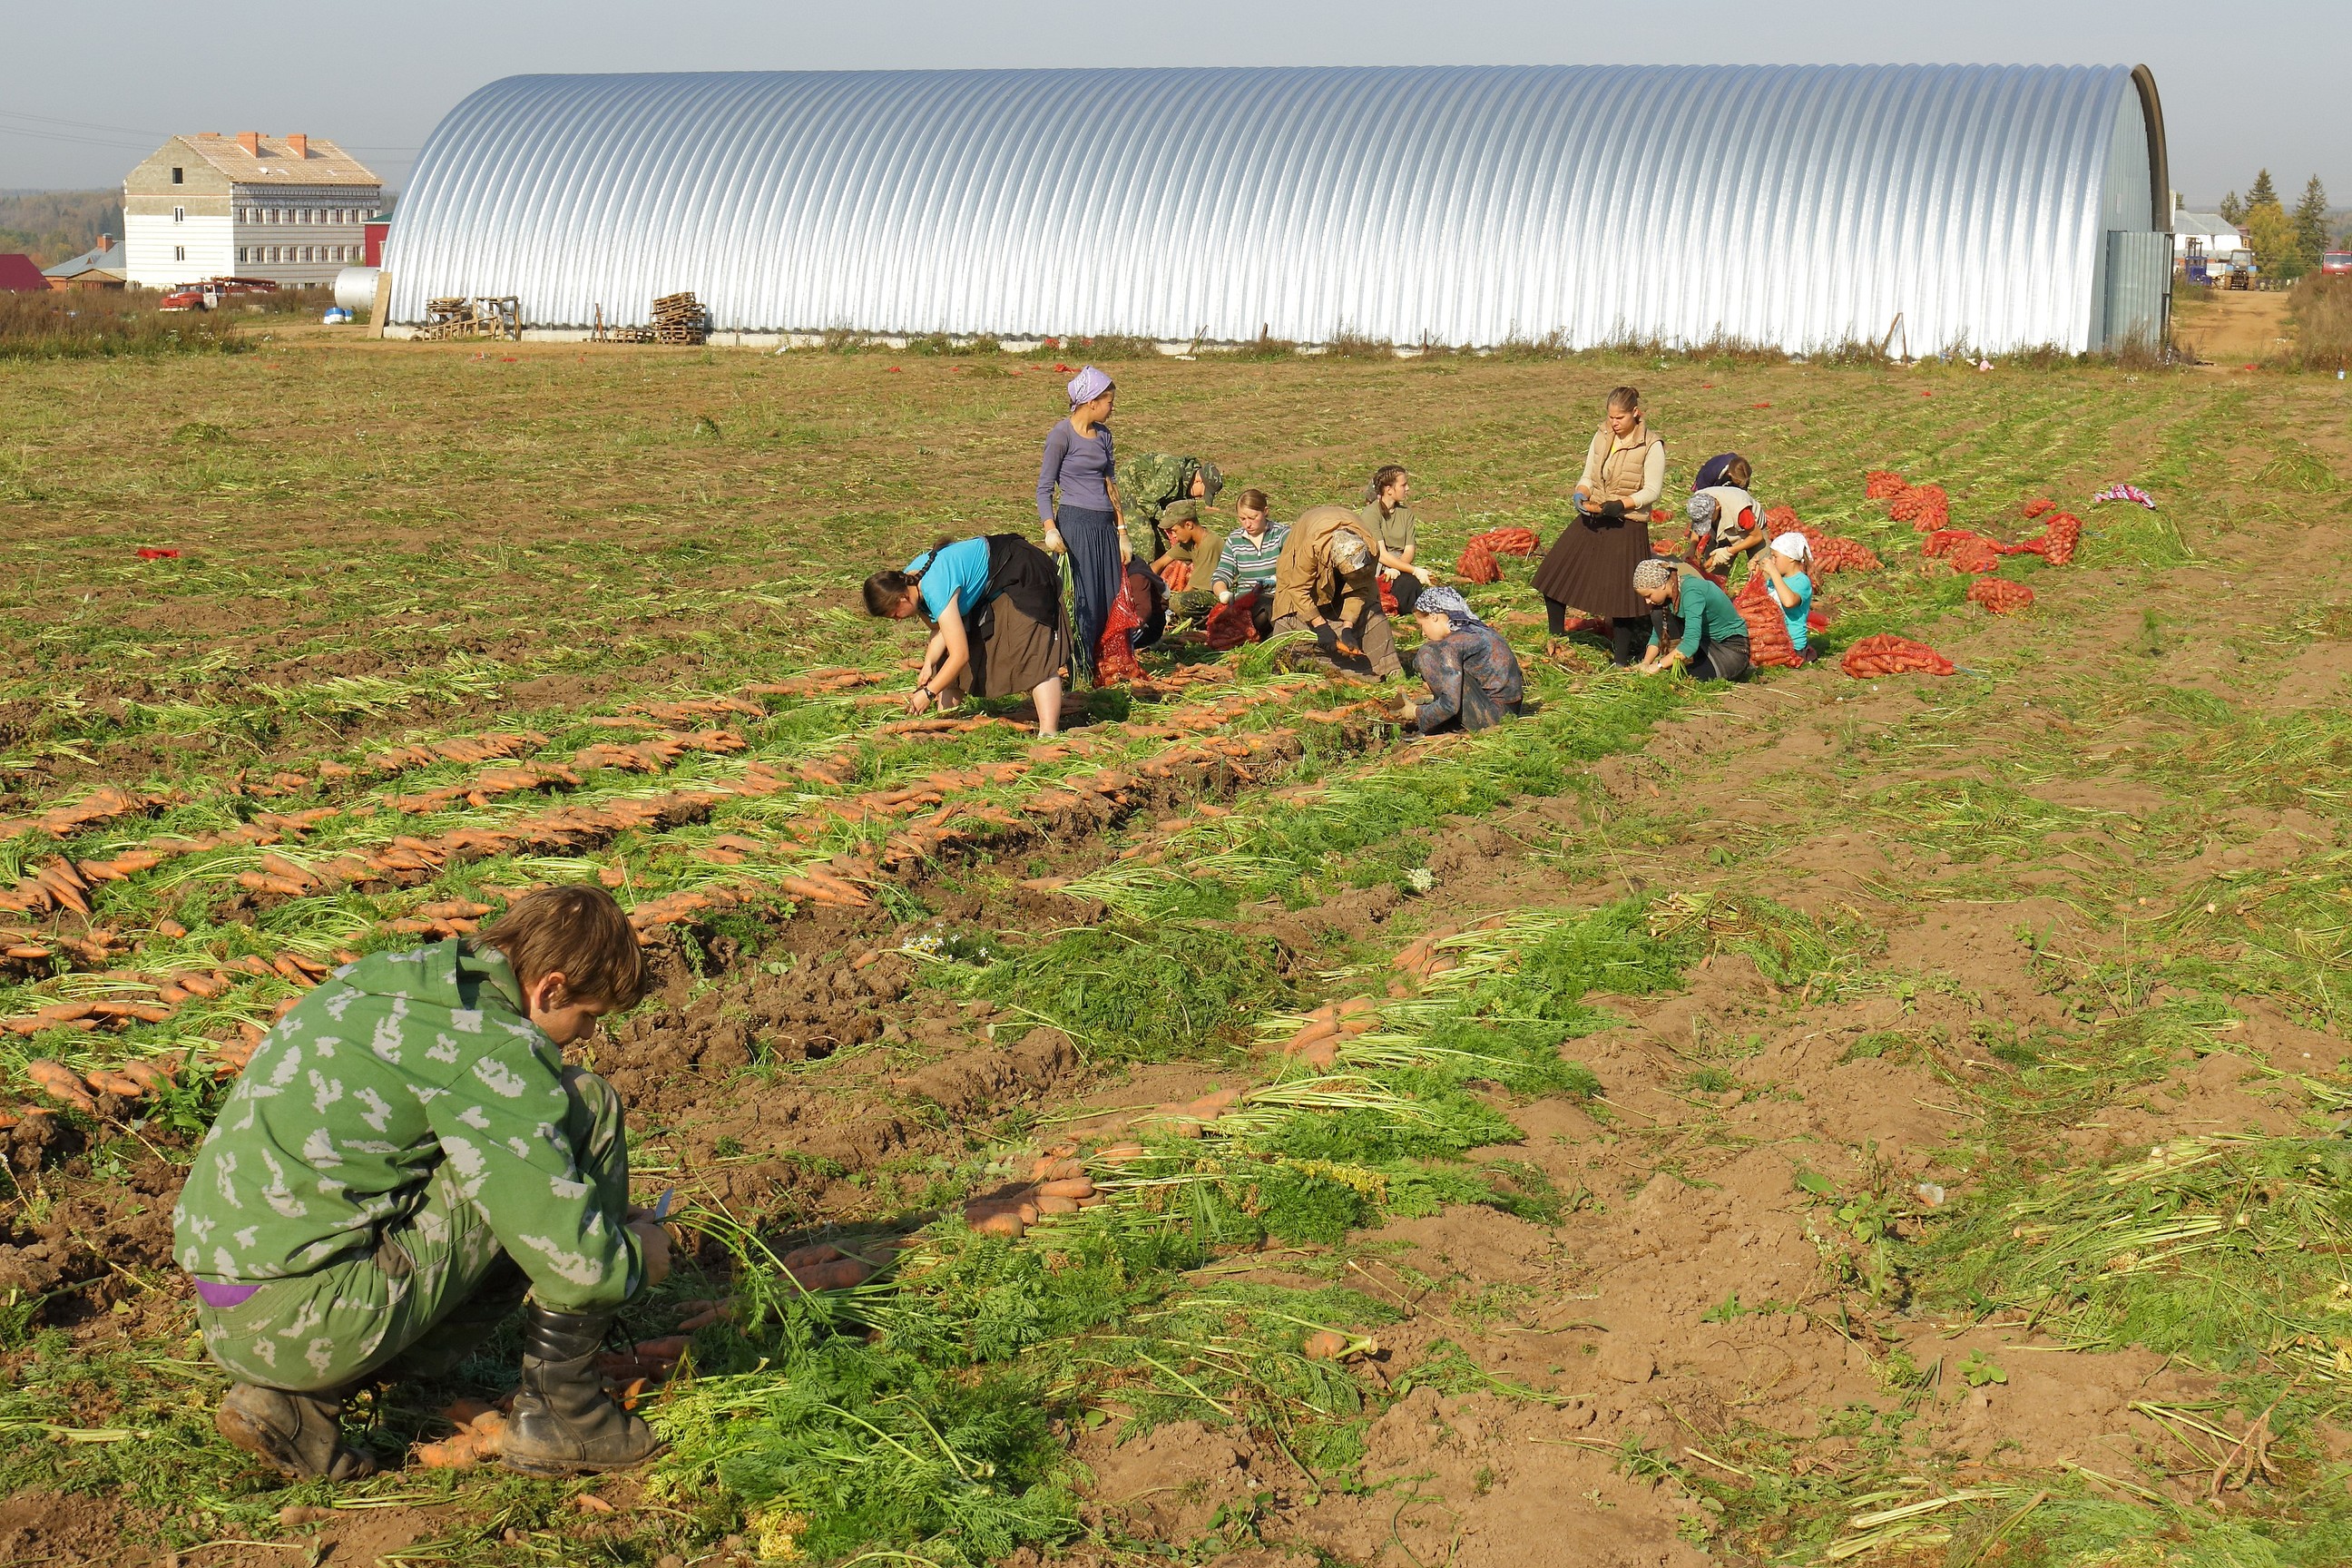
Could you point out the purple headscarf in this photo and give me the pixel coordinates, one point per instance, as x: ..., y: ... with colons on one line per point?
x: 1088, y: 384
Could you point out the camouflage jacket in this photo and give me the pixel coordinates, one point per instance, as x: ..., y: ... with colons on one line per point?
x: 391, y: 1067
x: 1149, y: 485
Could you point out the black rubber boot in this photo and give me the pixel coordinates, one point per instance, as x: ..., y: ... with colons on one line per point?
x: 1626, y: 640
x: 443, y: 1348
x: 298, y: 1435
x: 1556, y: 616
x: 564, y: 1424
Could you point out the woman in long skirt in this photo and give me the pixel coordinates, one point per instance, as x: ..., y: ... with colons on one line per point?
x: 1591, y: 565
x: 994, y: 607
x: 1078, y: 502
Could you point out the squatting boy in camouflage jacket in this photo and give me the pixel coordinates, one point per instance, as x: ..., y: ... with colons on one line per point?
x: 407, y: 1155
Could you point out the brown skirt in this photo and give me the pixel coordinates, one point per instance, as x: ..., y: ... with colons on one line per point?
x: 1590, y: 566
x: 1017, y: 651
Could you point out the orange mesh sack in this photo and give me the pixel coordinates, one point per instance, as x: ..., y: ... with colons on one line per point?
x: 2001, y: 595
x: 1115, y: 655
x: 1887, y: 654
x: 1477, y: 564
x: 1768, y: 628
x: 1232, y: 624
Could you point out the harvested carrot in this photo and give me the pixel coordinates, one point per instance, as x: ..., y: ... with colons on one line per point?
x: 1048, y: 1203
x: 1325, y: 1344
x: 1068, y: 1187
x: 808, y: 1256
x: 61, y: 1084
x: 669, y: 1348
x: 120, y: 1084
x: 1120, y: 1153
x: 999, y: 1222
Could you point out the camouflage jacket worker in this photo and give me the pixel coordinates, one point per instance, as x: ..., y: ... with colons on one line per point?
x: 1156, y: 490
x: 393, y: 1066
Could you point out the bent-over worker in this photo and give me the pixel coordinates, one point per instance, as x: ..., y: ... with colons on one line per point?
x: 1325, y: 583
x: 1474, y: 680
x: 998, y: 625
x: 1694, y: 627
x: 1160, y: 487
x: 404, y: 1161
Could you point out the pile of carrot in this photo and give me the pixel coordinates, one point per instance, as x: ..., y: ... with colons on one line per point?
x: 818, y: 683
x: 1509, y: 541
x: 104, y: 804
x: 1317, y: 1042
x: 1476, y: 564
x: 480, y: 1435
x: 1768, y: 628
x: 2001, y: 595
x: 652, y: 756
x: 1887, y: 654
x: 1925, y: 507
x: 1178, y: 575
x: 700, y: 708
x: 497, y: 746
x: 1825, y: 552
x: 2037, y: 506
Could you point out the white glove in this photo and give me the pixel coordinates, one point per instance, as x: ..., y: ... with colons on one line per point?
x: 1224, y: 594
x: 1053, y: 545
x: 1126, y: 548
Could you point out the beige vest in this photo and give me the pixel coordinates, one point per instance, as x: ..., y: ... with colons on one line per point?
x: 1617, y: 468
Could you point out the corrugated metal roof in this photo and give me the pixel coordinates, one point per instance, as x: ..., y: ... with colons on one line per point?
x: 1792, y: 205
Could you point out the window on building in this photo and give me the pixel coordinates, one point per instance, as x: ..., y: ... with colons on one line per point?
x: 179, y: 214
x: 240, y: 256
x: 179, y: 176
x: 179, y: 253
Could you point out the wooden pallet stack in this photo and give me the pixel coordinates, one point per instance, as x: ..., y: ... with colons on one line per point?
x: 680, y: 319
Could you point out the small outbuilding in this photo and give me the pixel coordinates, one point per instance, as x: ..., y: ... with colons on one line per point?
x: 100, y: 267
x: 20, y: 274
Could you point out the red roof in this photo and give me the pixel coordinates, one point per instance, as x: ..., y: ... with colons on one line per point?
x: 19, y: 273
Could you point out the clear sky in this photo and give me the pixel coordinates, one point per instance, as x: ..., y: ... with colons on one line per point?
x: 89, y: 93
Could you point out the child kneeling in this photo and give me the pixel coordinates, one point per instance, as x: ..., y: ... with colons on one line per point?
x: 407, y: 1162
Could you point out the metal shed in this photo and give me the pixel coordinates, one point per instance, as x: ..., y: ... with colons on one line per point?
x: 1796, y: 206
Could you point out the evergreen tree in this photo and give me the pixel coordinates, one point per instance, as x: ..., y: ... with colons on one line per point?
x: 2311, y: 224
x: 2233, y: 210
x: 2263, y: 192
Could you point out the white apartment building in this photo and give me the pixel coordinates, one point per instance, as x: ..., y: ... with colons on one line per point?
x: 288, y: 208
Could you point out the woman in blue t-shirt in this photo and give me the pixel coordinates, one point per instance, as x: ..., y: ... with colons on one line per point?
x: 994, y: 607
x: 1783, y: 564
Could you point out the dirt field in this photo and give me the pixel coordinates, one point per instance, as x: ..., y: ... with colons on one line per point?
x: 1880, y: 1121
x: 2231, y: 330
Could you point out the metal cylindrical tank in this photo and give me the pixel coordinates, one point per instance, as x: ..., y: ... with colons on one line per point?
x: 355, y: 287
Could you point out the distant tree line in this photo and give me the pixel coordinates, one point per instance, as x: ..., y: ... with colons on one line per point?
x: 2286, y: 244
x: 50, y: 226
